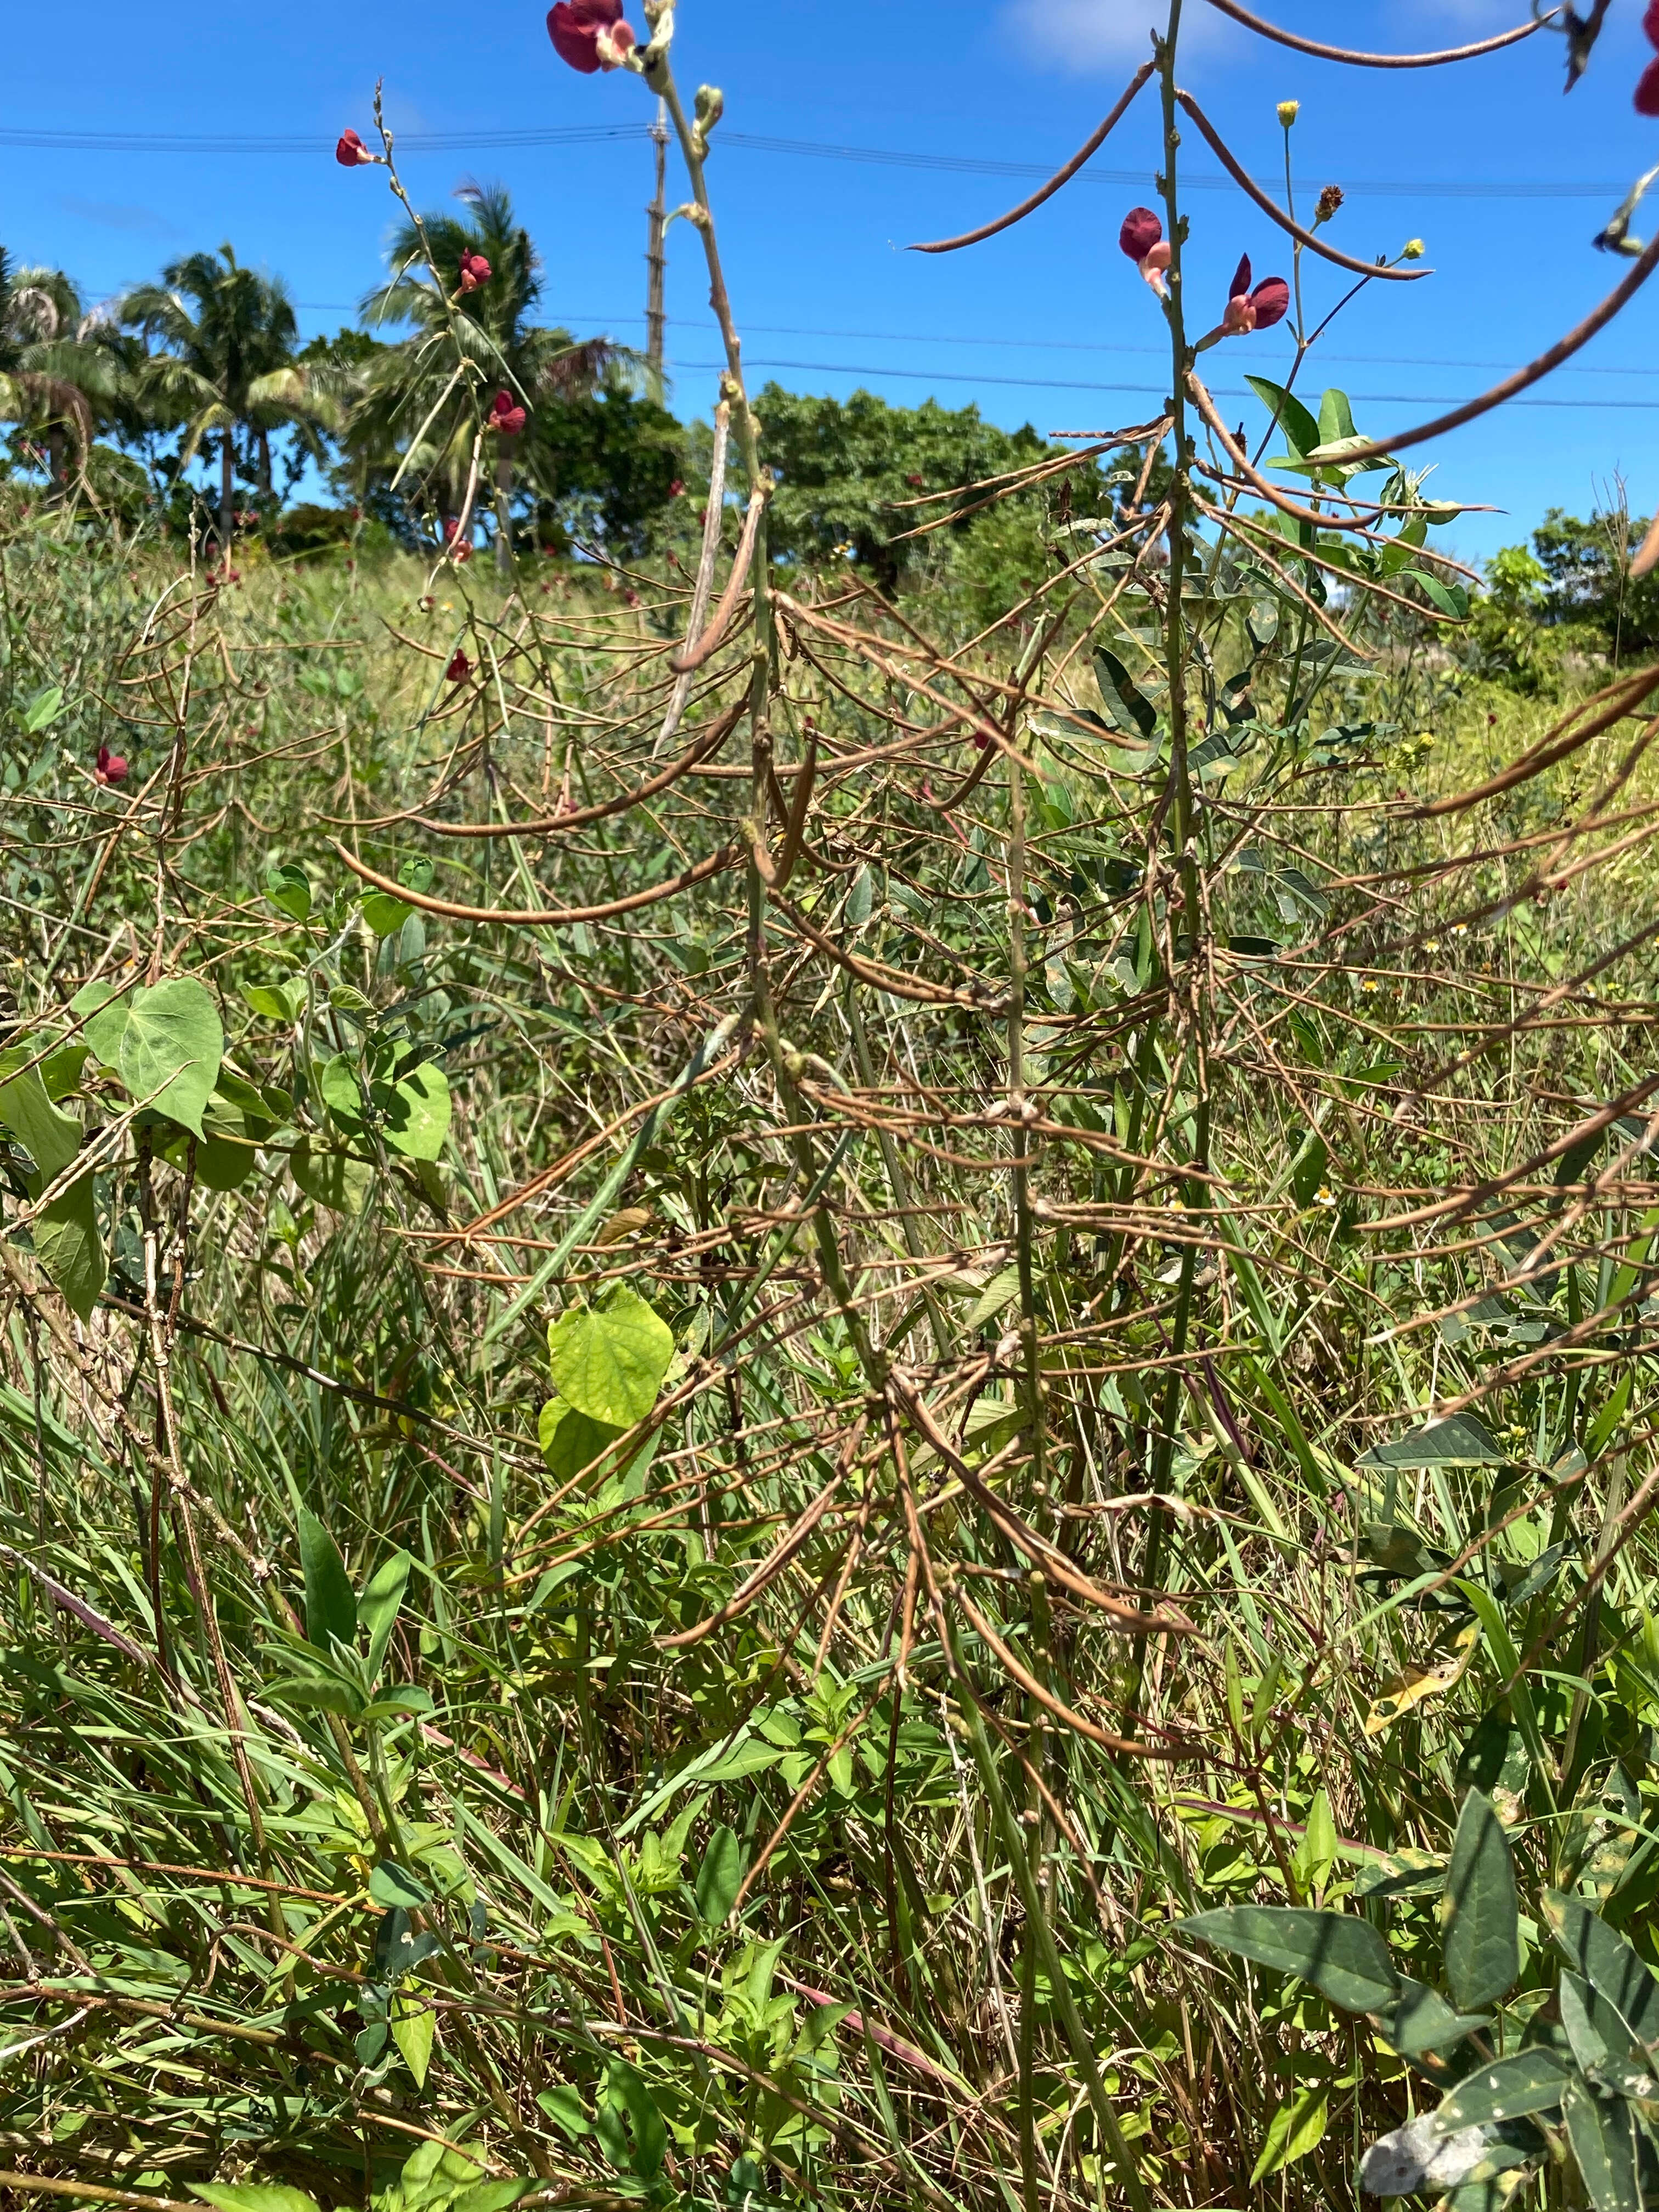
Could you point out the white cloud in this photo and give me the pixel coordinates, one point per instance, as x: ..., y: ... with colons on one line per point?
x: 1082, y: 36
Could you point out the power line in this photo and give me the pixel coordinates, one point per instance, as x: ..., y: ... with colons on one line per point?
x: 438, y: 142
x: 1145, y: 391
x: 1043, y: 345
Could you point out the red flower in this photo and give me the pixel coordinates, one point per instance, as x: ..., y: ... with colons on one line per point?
x: 110, y: 768
x: 462, y: 552
x: 506, y: 416
x: 1142, y: 239
x: 590, y: 35
x: 676, y: 488
x: 475, y: 270
x: 459, y: 669
x: 1647, y: 85
x: 916, y: 482
x: 351, y: 152
x: 1259, y: 310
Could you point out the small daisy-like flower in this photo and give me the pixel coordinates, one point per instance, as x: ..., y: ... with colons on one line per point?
x: 1459, y: 929
x: 1431, y: 945
x: 1324, y: 1195
x: 1371, y: 983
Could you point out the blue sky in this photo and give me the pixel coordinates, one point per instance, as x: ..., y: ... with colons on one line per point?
x: 1506, y: 180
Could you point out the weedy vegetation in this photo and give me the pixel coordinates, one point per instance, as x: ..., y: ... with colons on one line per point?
x: 824, y: 1380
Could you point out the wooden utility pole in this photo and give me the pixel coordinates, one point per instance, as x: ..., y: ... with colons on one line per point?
x: 656, y: 260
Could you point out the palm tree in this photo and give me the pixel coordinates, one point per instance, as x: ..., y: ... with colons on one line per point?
x: 227, y: 337
x: 493, y: 327
x: 53, y: 370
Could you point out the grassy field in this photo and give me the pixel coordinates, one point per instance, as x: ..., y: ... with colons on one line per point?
x: 648, y: 1548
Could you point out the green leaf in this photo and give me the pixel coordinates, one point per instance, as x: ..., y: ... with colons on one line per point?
x: 333, y: 1179
x: 1301, y: 432
x: 379, y: 1606
x: 342, y: 1093
x: 1463, y: 1441
x: 1423, y: 2022
x: 1335, y: 419
x: 384, y: 914
x: 569, y: 1441
x: 1507, y: 2089
x: 1482, y: 1911
x: 1002, y: 1291
x: 626, y: 2090
x: 1603, y: 1958
x: 42, y: 708
x: 608, y: 1361
x: 491, y: 2195
x: 275, y: 1002
x: 1603, y: 2135
x: 171, y: 1047
x: 103, y: 1008
x: 390, y: 1884
x: 331, y: 1607
x: 719, y: 1877
x: 413, y: 2027
x: 564, y: 2107
x: 1126, y: 708
x: 415, y: 1111
x: 1594, y: 2030
x: 1308, y: 1168
x: 1298, y: 2127
x: 289, y: 889
x: 1343, y: 1957
x: 69, y: 1247
x: 50, y: 1137
x: 253, y: 2197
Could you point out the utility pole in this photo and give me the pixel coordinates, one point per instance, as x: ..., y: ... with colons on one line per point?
x: 656, y: 260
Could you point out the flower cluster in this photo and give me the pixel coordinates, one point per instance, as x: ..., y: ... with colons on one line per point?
x: 506, y: 415
x: 1142, y: 239
x: 1647, y: 85
x: 590, y: 35
x: 475, y: 270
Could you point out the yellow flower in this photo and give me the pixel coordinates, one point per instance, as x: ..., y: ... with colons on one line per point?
x: 1288, y: 112
x: 1415, y: 249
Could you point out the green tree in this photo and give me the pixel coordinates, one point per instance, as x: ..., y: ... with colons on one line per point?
x: 849, y: 471
x: 1587, y: 567
x: 223, y: 366
x: 55, y: 377
x: 414, y: 406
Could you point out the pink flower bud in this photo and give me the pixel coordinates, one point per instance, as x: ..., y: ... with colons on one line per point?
x: 351, y: 153
x: 506, y: 415
x: 590, y: 35
x: 1259, y: 310
x: 1141, y: 233
x: 475, y: 270
x: 110, y: 768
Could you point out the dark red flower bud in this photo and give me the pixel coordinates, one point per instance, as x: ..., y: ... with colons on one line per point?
x: 351, y: 153
x: 590, y: 35
x: 916, y: 482
x: 676, y: 489
x: 1651, y: 23
x: 475, y: 270
x: 506, y: 415
x: 1141, y: 232
x: 1272, y: 302
x: 460, y: 668
x: 110, y: 768
x: 1647, y: 90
